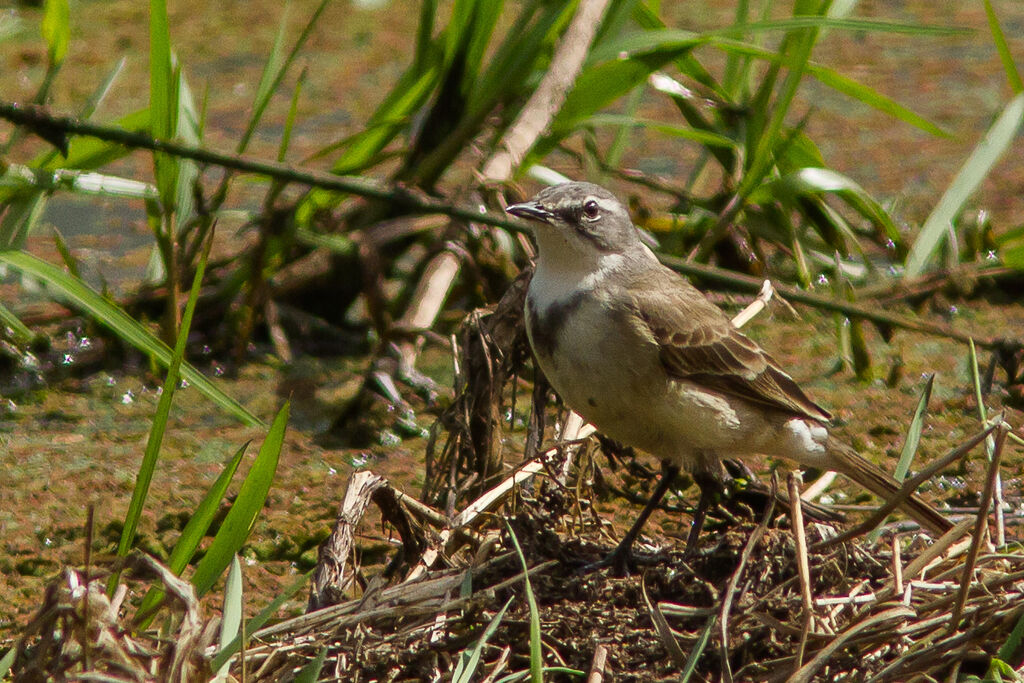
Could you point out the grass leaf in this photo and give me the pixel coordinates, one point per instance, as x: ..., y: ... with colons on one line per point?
x: 256, y: 622
x: 159, y: 425
x: 914, y: 431
x: 56, y: 29
x: 466, y: 667
x: 81, y: 296
x: 311, y: 672
x: 194, y: 532
x: 981, y: 160
x: 246, y: 508
x: 231, y: 619
x: 536, y: 653
x: 999, y: 39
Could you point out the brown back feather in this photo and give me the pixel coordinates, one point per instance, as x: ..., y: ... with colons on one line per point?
x: 700, y: 344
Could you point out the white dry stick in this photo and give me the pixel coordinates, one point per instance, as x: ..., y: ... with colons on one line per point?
x: 803, y: 566
x: 755, y: 306
x: 427, y: 300
x: 897, y: 566
x: 547, y: 99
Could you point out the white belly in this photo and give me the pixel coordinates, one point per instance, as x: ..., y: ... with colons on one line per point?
x: 614, y: 378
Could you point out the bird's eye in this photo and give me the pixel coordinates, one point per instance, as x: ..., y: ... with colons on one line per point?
x: 591, y: 209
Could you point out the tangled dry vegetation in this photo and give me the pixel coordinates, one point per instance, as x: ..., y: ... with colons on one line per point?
x: 762, y: 599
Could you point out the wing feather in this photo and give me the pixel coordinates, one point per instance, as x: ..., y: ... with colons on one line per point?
x: 699, y: 343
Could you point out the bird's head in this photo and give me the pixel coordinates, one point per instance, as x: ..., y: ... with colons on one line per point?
x: 579, y: 220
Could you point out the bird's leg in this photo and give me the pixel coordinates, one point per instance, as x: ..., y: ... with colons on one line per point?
x: 621, y: 558
x: 711, y: 489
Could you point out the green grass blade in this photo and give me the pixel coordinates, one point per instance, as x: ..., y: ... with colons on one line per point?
x: 536, y: 653
x: 56, y: 29
x: 82, y: 297
x: 999, y: 39
x: 246, y: 508
x: 979, y: 399
x: 795, y: 54
x: 20, y: 219
x: 311, y: 672
x: 276, y: 67
x: 839, y: 83
x: 199, y: 523
x: 1007, y: 651
x: 914, y: 431
x: 703, y: 137
x: 231, y: 621
x: 600, y: 85
x: 981, y: 160
x: 424, y: 30
x: 161, y: 71
x: 822, y: 180
x: 163, y: 100
x: 257, y: 621
x: 735, y: 67
x: 698, y: 650
x: 86, y: 153
x: 20, y: 333
x: 7, y: 661
x: 523, y: 675
x: 470, y: 660
x: 194, y: 532
x: 293, y: 110
x: 159, y: 425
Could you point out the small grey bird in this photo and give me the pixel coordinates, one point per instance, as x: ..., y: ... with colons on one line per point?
x: 638, y: 351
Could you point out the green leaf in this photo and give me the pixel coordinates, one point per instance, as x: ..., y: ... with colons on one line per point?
x: 1009, y: 650
x: 231, y: 619
x: 19, y: 331
x: 981, y: 160
x: 536, y: 652
x: 159, y: 425
x: 20, y: 219
x: 822, y: 180
x: 276, y: 67
x: 600, y: 85
x: 87, y: 153
x: 466, y: 667
x: 195, y: 530
x: 56, y: 29
x: 79, y: 295
x: 999, y: 38
x: 7, y: 661
x: 257, y: 622
x: 246, y: 508
x: 163, y: 100
x: 914, y: 431
x: 704, y: 138
x: 837, y: 82
x: 311, y: 672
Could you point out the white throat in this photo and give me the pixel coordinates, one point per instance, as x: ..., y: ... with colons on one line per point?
x: 564, y: 269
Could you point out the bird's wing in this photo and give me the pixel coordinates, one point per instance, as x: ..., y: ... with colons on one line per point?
x: 699, y: 343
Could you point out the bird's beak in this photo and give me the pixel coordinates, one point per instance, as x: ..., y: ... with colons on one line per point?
x: 531, y: 211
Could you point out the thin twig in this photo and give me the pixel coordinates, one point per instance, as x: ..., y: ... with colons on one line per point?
x: 408, y: 198
x: 803, y: 567
x: 597, y: 665
x: 980, y: 526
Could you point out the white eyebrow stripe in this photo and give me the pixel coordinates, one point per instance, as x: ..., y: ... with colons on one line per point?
x: 604, y: 203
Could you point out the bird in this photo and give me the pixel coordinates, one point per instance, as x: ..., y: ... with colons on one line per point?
x: 651, y: 362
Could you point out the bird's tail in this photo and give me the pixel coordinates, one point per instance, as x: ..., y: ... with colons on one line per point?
x: 848, y: 462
